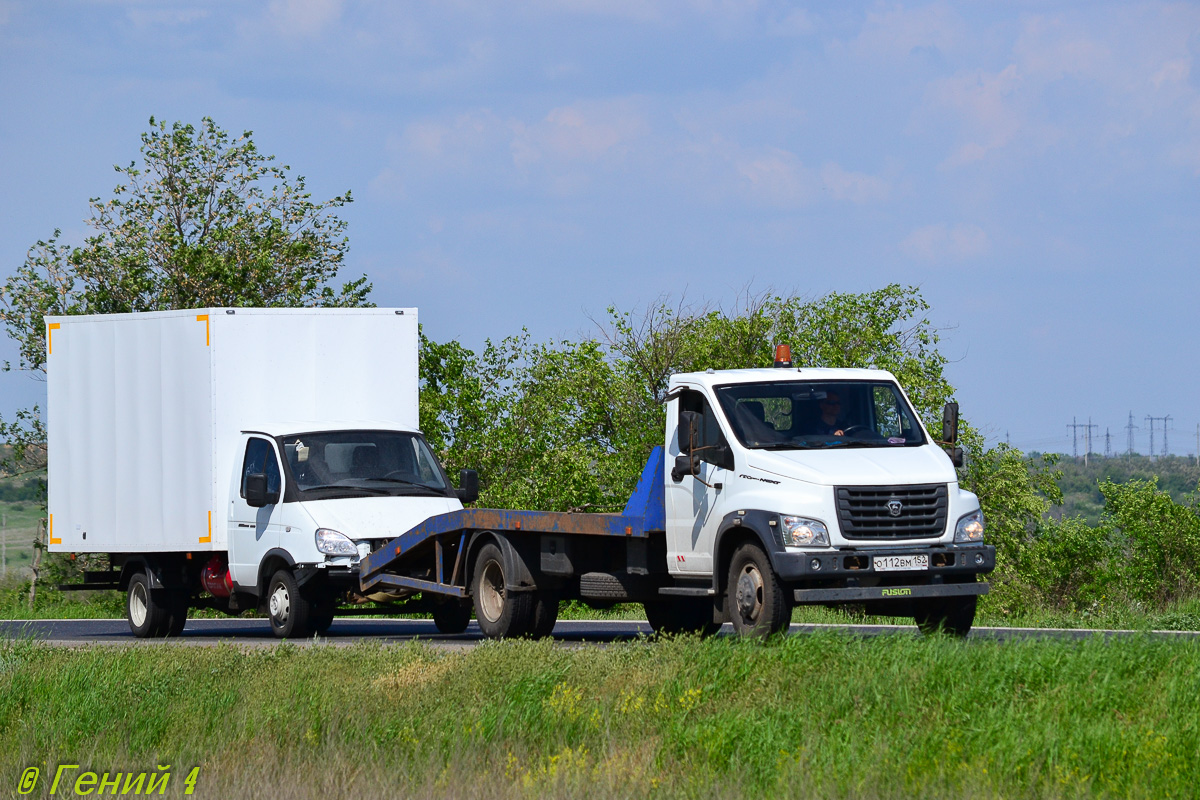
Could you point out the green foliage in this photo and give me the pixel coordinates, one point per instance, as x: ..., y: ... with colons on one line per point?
x: 1080, y: 482
x: 568, y: 425
x: 1160, y: 539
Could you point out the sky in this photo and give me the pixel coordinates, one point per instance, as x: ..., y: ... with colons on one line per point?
x: 1033, y: 167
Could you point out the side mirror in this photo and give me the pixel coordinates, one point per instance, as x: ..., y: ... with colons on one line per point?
x: 686, y: 464
x: 956, y: 457
x: 257, y: 495
x: 950, y: 423
x: 689, y: 426
x: 468, y: 486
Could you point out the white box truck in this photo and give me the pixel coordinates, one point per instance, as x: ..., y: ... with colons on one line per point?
x: 237, y: 458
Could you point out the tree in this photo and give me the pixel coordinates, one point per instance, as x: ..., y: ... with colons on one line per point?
x: 568, y: 425
x: 204, y: 220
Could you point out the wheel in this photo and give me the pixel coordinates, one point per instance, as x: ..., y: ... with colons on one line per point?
x: 320, y: 616
x: 146, y: 609
x: 289, y: 610
x: 950, y: 615
x: 452, y: 616
x: 499, y: 612
x: 758, y: 604
x: 177, y: 613
x: 678, y: 615
x: 545, y: 614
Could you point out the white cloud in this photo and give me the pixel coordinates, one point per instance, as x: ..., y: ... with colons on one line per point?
x: 898, y: 32
x: 985, y: 104
x: 856, y: 187
x: 300, y: 18
x: 580, y: 132
x: 775, y: 176
x: 939, y: 243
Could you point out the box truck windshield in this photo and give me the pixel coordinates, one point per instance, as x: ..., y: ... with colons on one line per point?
x: 787, y: 415
x: 334, y: 464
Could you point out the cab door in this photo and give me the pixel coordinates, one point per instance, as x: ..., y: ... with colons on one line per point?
x: 695, y: 504
x: 253, y: 531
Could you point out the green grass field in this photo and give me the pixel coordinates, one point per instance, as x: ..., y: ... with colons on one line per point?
x: 815, y: 716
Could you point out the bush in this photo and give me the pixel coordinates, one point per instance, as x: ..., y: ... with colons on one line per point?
x: 1160, y: 540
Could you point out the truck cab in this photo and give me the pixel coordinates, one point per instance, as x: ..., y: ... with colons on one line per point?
x: 817, y: 486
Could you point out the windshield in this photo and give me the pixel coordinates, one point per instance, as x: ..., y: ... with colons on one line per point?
x: 362, y: 463
x: 789, y: 415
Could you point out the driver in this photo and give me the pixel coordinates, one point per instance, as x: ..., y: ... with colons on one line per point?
x: 831, y: 411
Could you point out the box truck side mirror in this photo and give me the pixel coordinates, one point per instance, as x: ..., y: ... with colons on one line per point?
x: 689, y: 427
x: 468, y: 486
x: 257, y: 495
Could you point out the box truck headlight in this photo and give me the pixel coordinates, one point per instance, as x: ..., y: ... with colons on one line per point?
x: 969, y: 529
x: 332, y: 543
x: 804, y: 532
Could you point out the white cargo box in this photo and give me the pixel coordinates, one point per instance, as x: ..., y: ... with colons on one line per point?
x: 145, y: 411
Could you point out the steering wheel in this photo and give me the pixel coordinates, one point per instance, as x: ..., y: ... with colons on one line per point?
x: 852, y: 429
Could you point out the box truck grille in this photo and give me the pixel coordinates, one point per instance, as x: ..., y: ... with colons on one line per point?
x: 892, y: 512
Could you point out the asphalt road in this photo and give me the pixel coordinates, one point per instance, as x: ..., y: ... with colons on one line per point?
x: 257, y: 632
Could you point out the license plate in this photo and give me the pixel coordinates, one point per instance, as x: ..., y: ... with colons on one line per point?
x: 900, y: 563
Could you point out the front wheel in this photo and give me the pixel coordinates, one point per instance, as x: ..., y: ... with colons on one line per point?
x: 287, y: 607
x: 758, y: 603
x: 950, y: 615
x: 501, y: 613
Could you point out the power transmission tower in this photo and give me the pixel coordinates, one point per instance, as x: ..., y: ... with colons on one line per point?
x: 1087, y: 437
x: 1151, y: 420
x: 1198, y: 444
x: 1130, y: 428
x: 1107, y: 443
x: 1074, y: 426
x: 1165, y: 420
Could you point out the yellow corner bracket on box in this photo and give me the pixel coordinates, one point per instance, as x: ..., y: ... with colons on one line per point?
x: 208, y: 539
x: 204, y: 318
x: 51, y: 532
x: 50, y: 329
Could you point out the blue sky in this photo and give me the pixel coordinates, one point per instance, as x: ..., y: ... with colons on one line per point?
x: 1033, y: 166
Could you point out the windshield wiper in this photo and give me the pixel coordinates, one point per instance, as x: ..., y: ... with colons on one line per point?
x: 346, y: 488
x: 404, y: 482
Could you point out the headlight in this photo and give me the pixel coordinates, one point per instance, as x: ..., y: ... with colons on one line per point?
x: 804, y: 532
x: 969, y: 529
x: 334, y: 544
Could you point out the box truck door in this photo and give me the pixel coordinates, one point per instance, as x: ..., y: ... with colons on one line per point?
x: 253, y: 531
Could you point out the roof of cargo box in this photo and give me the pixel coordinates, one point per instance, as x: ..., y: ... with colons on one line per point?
x: 324, y: 426
x: 222, y: 310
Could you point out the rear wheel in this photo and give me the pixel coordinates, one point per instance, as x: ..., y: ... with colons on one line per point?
x: 146, y: 608
x: 500, y: 613
x: 452, y: 616
x: 288, y: 609
x: 177, y: 613
x: 950, y: 615
x: 545, y: 614
x: 758, y: 604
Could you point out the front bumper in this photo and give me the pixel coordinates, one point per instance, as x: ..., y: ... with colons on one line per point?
x: 858, y: 563
x: 864, y: 594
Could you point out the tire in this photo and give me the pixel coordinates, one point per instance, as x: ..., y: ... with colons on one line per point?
x: 681, y: 615
x: 758, y: 604
x: 545, y: 614
x: 952, y: 616
x: 501, y: 614
x: 177, y: 614
x: 146, y: 609
x: 320, y: 616
x: 289, y: 611
x: 451, y: 616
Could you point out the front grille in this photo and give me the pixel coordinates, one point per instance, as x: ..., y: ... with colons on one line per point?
x: 863, y: 511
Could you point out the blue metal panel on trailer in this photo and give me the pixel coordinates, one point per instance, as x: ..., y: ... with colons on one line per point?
x: 648, y: 501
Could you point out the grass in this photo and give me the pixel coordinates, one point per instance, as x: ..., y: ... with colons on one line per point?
x: 825, y: 716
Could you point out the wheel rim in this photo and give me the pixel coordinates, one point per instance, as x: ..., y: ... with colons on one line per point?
x: 281, y: 603
x: 491, y: 591
x: 750, y: 593
x: 138, y: 605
